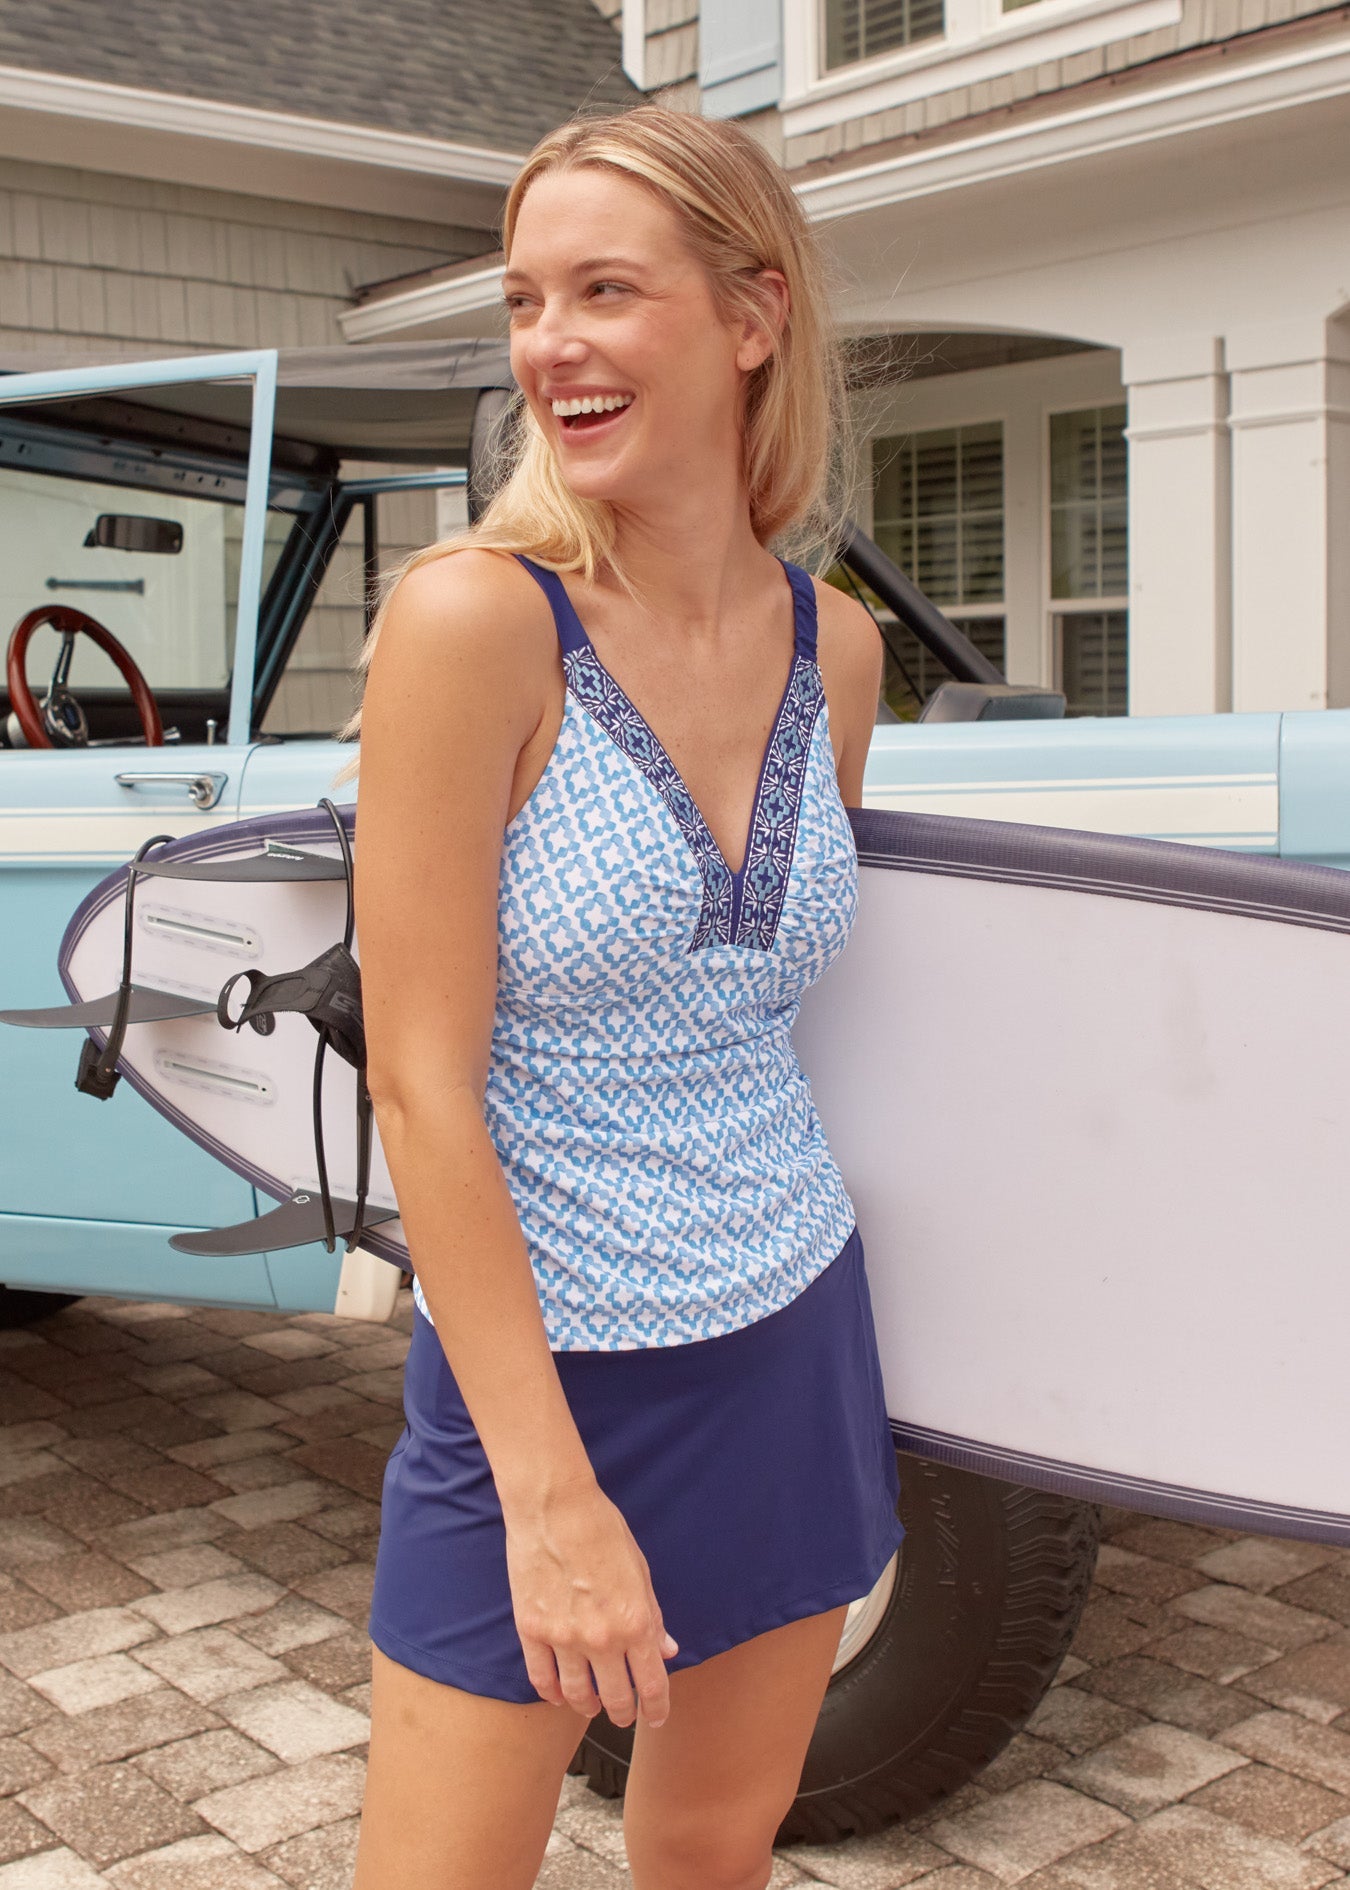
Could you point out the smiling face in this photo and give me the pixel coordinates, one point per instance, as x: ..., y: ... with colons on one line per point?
x: 628, y: 367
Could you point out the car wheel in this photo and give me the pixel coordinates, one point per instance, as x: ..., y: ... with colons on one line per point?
x: 939, y: 1665
x: 19, y: 1307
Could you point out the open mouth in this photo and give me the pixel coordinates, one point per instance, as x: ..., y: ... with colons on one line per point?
x: 590, y: 416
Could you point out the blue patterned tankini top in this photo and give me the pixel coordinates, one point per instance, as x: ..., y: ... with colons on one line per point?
x: 656, y: 1130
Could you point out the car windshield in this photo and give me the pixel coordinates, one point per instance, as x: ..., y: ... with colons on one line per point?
x: 172, y: 609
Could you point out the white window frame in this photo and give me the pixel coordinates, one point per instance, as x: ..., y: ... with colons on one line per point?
x: 1057, y: 607
x: 981, y: 42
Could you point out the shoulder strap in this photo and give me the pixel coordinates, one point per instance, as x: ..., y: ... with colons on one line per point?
x: 565, y: 619
x: 804, y: 609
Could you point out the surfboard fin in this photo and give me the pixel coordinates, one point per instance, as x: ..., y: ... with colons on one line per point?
x: 295, y: 1223
x: 146, y: 1006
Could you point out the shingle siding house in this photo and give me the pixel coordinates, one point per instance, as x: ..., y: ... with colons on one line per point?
x: 1113, y: 239
x: 175, y: 175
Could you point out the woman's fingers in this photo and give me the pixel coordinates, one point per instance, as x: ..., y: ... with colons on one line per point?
x: 614, y: 1686
x: 651, y: 1682
x: 543, y: 1671
x: 575, y: 1677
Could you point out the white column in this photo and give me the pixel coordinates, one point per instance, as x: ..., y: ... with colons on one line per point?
x: 1291, y: 515
x: 1180, y: 622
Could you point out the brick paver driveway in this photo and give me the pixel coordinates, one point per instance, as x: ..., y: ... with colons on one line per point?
x: 188, y: 1514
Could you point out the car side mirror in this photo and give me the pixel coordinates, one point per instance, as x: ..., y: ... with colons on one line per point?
x: 132, y: 531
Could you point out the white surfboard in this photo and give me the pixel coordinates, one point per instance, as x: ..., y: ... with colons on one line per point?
x: 1089, y: 1096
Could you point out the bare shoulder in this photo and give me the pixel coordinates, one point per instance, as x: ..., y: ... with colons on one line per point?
x: 849, y: 641
x: 852, y: 657
x: 469, y: 606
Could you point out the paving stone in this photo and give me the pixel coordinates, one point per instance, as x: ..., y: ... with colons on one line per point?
x: 385, y: 1387
x: 1143, y: 1575
x: 1198, y: 1849
x: 337, y: 1662
x: 1294, y: 1745
x: 1212, y: 1653
x: 1315, y: 1681
x: 209, y: 1453
x: 1161, y: 1691
x: 284, y: 1503
x: 1171, y: 1541
x: 1079, y: 1721
x: 577, y: 1871
x: 102, y: 1681
x: 20, y: 1766
x: 355, y: 1526
x: 343, y: 1417
x: 354, y: 1465
x: 21, y: 1608
x: 53, y: 1870
x: 117, y: 1732
x: 207, y: 1762
x: 182, y: 1609
x: 292, y: 1623
x: 80, y: 1582
x: 345, y: 1590
x: 17, y: 1438
x: 210, y: 1662
x: 34, y: 1540
x: 1326, y: 1591
x: 288, y: 1342
x: 254, y: 1473
x: 286, y: 1551
x: 319, y: 1860
x: 1112, y: 1625
x: 172, y: 1486
x: 178, y: 1529
x: 1257, y: 1617
x: 1036, y: 1824
x: 267, y: 1811
x: 1148, y: 1768
x: 196, y: 1863
x: 234, y: 1410
x: 1332, y: 1842
x: 20, y: 1833
x: 20, y: 1706
x: 1262, y: 1563
x: 185, y: 1568
x: 295, y: 1720
x: 24, y: 1465
x: 886, y: 1861
x: 74, y: 1637
x: 1022, y: 1758
x: 180, y: 1380
x: 109, y: 1812
x: 1273, y: 1803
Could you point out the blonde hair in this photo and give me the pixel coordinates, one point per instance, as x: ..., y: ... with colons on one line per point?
x: 739, y: 217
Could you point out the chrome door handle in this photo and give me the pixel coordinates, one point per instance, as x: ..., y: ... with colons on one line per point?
x: 205, y: 789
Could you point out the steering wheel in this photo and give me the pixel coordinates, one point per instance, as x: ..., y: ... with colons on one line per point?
x: 59, y: 721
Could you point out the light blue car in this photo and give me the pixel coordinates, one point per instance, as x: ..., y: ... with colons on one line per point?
x: 203, y: 524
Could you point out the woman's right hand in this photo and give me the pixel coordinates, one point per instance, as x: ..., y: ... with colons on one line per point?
x: 582, y: 1594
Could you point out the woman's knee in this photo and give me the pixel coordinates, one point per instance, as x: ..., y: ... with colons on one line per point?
x: 713, y: 1848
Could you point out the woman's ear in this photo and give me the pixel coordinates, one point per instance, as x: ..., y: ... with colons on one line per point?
x: 759, y: 333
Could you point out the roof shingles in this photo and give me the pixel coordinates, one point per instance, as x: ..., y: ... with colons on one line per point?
x: 498, y: 75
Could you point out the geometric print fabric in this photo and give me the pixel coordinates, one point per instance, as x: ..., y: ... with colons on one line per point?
x: 657, y: 1133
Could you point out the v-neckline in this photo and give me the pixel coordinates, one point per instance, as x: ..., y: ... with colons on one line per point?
x: 735, y: 875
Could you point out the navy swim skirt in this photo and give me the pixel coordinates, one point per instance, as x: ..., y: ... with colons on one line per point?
x: 755, y: 1470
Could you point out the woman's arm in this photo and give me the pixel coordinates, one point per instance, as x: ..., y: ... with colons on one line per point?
x: 456, y: 687
x: 851, y: 657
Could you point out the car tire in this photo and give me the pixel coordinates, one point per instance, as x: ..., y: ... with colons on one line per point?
x: 20, y: 1307
x: 959, y: 1641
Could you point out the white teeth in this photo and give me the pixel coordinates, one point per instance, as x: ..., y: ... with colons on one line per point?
x: 598, y: 403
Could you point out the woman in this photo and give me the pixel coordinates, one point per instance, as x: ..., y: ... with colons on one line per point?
x: 605, y: 751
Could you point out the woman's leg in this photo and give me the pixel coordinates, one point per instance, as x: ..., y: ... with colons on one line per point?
x: 462, y: 1789
x: 708, y: 1790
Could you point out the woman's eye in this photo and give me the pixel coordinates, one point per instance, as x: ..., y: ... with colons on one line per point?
x: 618, y: 287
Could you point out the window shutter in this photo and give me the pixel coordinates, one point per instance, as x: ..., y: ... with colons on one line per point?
x: 739, y: 49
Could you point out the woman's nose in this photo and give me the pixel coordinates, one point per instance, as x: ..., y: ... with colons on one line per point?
x: 552, y: 340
